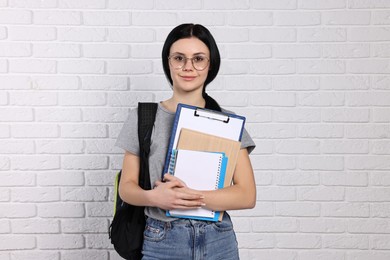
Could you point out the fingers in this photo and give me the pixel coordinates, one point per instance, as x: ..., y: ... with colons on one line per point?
x: 171, y: 182
x: 186, y: 199
x: 188, y: 204
x: 191, y: 196
x: 174, y: 194
x: 182, y: 192
x: 169, y: 185
x: 170, y: 178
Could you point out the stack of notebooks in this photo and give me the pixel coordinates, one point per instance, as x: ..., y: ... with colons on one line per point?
x: 203, y: 161
x: 201, y: 171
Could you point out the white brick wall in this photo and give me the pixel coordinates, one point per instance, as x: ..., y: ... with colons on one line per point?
x: 311, y: 76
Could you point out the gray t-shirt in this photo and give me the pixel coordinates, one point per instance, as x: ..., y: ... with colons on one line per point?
x: 128, y: 140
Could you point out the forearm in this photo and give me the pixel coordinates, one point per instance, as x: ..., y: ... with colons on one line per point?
x: 241, y: 195
x: 165, y: 195
x: 133, y: 194
x: 230, y: 198
x: 129, y: 190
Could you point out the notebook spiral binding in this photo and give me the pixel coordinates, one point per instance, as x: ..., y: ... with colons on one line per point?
x: 218, y: 176
x: 172, y: 161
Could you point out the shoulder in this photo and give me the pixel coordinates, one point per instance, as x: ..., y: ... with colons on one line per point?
x: 128, y: 136
x: 132, y: 113
x: 246, y: 139
x: 227, y: 111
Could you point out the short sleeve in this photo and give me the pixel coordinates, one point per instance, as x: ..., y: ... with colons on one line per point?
x: 247, y: 142
x: 128, y: 136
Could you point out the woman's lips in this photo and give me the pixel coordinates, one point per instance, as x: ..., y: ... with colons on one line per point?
x: 188, y: 78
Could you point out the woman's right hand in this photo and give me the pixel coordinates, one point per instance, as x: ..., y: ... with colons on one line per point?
x: 173, y: 193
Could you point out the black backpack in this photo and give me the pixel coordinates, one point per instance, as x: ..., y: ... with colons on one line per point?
x: 128, y: 224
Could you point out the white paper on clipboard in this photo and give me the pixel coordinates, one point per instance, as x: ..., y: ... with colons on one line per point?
x: 207, y: 121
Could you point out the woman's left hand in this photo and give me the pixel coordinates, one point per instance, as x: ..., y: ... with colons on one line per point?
x: 173, y: 193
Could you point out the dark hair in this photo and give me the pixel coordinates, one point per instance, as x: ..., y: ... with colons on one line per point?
x: 202, y: 33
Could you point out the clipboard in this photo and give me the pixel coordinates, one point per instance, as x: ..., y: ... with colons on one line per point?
x: 226, y: 125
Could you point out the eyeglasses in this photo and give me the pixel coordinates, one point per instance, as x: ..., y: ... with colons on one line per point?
x: 178, y: 61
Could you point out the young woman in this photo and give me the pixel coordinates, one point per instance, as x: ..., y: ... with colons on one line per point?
x: 191, y: 61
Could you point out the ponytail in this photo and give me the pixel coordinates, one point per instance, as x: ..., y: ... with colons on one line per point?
x: 210, y: 102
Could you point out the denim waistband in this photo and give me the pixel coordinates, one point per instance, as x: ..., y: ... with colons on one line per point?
x: 188, y: 222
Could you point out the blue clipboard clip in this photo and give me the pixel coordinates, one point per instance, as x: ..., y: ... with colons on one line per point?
x: 201, y: 112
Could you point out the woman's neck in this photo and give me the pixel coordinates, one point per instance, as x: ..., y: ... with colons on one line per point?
x: 171, y: 104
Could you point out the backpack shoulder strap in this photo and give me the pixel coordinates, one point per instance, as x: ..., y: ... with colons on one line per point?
x: 146, y: 117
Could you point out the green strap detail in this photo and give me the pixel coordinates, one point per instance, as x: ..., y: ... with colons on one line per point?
x: 116, y: 190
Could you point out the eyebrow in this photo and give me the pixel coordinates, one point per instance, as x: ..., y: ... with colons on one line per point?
x: 198, y: 53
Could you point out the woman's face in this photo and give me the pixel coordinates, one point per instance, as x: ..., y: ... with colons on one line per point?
x: 186, y: 78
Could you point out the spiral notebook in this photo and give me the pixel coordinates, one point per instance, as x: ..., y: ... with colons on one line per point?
x: 198, y: 141
x: 200, y: 170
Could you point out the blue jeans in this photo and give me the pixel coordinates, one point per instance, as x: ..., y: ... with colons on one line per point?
x: 185, y: 239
